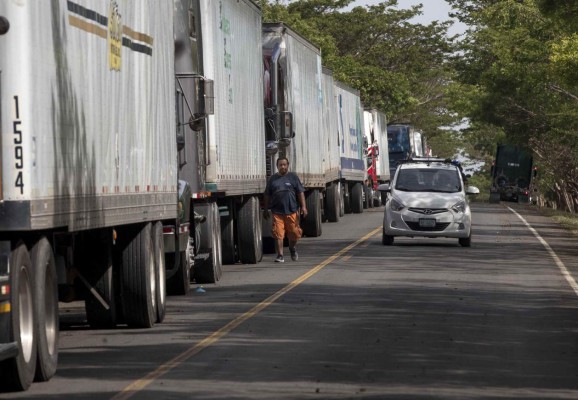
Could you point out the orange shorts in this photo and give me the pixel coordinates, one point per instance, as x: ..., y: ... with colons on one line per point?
x: 286, y: 224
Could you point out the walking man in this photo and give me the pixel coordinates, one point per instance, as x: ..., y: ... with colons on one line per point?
x: 284, y: 194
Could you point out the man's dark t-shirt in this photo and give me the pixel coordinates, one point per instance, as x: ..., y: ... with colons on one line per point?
x: 282, y: 190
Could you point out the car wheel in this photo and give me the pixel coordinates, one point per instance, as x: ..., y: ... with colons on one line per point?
x: 386, y: 240
x: 466, y: 242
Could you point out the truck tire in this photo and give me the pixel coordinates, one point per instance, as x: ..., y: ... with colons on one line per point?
x: 371, y: 195
x: 357, y: 198
x: 138, y: 280
x: 208, y: 270
x: 332, y: 203
x: 160, y: 271
x: 340, y: 190
x: 312, y: 226
x: 249, y: 233
x: 365, y: 197
x: 346, y: 199
x: 179, y: 283
x: 228, y: 238
x: 18, y: 372
x: 45, y: 309
x: 99, y: 273
x: 268, y: 240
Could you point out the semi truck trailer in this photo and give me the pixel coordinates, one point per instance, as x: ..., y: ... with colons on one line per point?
x: 90, y: 198
x: 220, y: 42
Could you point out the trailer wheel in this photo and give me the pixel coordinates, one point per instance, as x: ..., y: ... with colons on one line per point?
x: 228, y: 238
x: 160, y: 271
x: 346, y: 199
x: 312, y: 223
x: 45, y: 309
x: 249, y: 232
x: 138, y: 281
x: 340, y: 191
x: 365, y: 196
x: 376, y: 199
x: 357, y: 198
x: 371, y: 195
x: 209, y: 270
x: 332, y: 210
x: 17, y: 373
x: 100, y: 274
x: 179, y: 283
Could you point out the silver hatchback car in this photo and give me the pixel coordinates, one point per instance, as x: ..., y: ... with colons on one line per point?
x: 427, y: 198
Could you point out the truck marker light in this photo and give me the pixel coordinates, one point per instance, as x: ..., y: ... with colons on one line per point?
x: 5, y: 307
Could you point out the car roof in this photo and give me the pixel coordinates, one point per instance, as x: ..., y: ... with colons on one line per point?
x: 430, y: 164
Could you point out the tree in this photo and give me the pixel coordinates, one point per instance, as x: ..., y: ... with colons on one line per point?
x: 519, y: 63
x: 398, y: 66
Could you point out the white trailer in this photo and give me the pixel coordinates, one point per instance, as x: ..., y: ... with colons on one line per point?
x: 353, y: 172
x: 418, y: 142
x: 226, y: 153
x: 331, y: 150
x: 294, y: 108
x: 89, y: 173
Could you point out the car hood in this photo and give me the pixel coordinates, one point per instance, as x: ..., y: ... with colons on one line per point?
x: 428, y: 199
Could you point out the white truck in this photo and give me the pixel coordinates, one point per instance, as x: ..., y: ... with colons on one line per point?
x: 293, y: 109
x: 353, y: 147
x: 219, y: 41
x: 90, y: 197
x: 331, y: 150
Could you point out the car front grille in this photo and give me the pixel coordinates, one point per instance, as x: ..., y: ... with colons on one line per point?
x: 440, y: 226
x: 428, y: 211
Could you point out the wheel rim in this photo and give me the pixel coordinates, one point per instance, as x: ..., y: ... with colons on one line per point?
x: 26, y: 314
x: 258, y: 231
x: 152, y: 279
x: 51, y: 314
x: 162, y: 275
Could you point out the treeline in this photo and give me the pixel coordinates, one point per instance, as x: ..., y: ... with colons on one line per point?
x: 513, y: 75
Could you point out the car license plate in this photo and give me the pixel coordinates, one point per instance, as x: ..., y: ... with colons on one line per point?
x: 427, y: 223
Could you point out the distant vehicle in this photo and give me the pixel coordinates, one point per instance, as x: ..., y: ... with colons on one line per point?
x: 375, y: 130
x: 404, y: 142
x: 512, y: 174
x: 427, y: 198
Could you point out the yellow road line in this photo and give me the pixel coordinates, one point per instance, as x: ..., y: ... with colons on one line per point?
x: 140, y: 384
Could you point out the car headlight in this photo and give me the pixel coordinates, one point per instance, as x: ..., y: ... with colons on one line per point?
x: 396, y: 205
x: 459, y: 207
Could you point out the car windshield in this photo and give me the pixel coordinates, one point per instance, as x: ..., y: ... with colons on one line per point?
x: 428, y: 180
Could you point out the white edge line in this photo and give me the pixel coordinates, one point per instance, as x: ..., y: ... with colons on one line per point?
x: 559, y: 262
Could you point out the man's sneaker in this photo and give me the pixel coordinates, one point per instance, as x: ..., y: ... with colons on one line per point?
x: 279, y: 258
x: 294, y: 255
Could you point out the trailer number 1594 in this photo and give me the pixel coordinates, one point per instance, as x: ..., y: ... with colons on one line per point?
x: 18, y: 153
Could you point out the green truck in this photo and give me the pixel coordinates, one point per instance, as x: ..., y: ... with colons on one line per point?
x: 512, y: 174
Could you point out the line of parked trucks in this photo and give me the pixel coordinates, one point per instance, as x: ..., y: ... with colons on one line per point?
x: 137, y: 138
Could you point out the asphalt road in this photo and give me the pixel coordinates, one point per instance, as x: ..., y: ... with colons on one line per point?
x: 423, y: 319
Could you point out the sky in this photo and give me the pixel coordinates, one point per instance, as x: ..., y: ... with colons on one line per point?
x: 433, y: 10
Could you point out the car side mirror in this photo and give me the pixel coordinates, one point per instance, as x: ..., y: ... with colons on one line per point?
x: 384, y: 187
x: 472, y: 190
